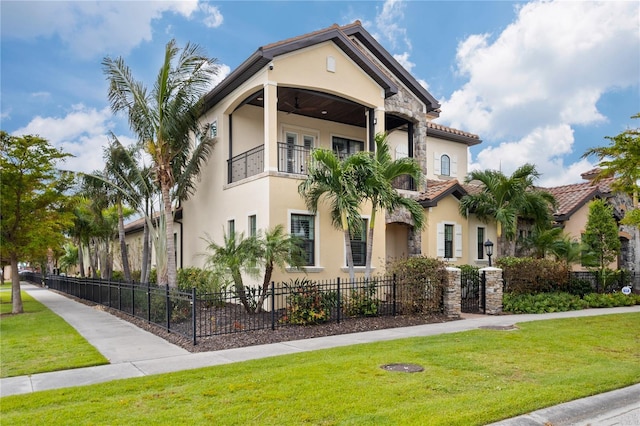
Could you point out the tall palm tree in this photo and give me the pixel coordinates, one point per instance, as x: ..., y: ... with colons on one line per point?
x: 505, y: 200
x: 164, y: 120
x: 381, y: 193
x: 341, y: 184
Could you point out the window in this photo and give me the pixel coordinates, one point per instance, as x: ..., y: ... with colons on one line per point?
x: 231, y: 227
x: 445, y: 165
x: 448, y: 241
x: 346, y: 147
x: 303, y: 227
x: 359, y: 245
x: 480, y: 243
x: 253, y: 229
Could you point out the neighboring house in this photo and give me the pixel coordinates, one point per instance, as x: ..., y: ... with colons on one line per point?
x: 572, y: 214
x: 334, y: 88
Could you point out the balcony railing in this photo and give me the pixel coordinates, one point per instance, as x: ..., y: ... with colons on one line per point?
x: 293, y: 158
x: 247, y: 164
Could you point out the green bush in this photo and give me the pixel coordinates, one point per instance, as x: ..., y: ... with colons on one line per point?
x: 307, y: 304
x: 611, y: 300
x: 579, y: 287
x: 203, y: 280
x: 362, y: 301
x: 526, y: 275
x: 421, y: 282
x: 541, y: 303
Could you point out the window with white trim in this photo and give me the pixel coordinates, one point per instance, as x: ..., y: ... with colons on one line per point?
x: 445, y: 165
x: 449, y: 240
x: 359, y: 245
x: 480, y: 242
x: 303, y: 227
x: 231, y: 227
x: 344, y: 147
x: 253, y: 225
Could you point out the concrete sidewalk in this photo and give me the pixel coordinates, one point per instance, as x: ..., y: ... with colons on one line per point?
x: 134, y: 352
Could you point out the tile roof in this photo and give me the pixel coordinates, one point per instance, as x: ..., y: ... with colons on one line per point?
x: 436, y: 189
x: 571, y: 197
x: 435, y: 126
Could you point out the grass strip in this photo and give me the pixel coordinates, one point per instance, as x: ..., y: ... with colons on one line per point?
x: 470, y: 378
x: 39, y: 341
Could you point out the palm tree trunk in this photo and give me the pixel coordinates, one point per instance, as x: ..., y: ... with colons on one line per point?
x: 146, y: 259
x: 80, y: 258
x: 372, y: 221
x: 171, y: 273
x: 123, y: 245
x: 265, y: 287
x: 16, y: 296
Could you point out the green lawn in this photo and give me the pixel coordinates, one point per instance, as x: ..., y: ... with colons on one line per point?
x: 473, y: 377
x: 39, y: 341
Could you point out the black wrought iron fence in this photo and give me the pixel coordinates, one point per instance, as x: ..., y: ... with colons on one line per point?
x: 298, y: 303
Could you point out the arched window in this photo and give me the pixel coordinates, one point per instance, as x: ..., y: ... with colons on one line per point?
x: 445, y: 165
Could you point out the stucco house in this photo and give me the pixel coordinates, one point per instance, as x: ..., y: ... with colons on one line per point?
x: 572, y: 214
x: 334, y: 88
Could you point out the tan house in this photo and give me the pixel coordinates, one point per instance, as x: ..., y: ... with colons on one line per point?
x: 572, y: 214
x: 334, y: 88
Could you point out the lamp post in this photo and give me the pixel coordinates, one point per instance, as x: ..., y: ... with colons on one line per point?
x: 488, y: 248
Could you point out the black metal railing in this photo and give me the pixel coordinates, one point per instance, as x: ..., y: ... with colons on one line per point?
x: 297, y: 303
x: 247, y: 164
x: 293, y: 158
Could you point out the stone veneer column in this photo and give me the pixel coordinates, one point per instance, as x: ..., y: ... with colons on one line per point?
x: 493, y: 290
x: 452, y: 294
x: 415, y: 242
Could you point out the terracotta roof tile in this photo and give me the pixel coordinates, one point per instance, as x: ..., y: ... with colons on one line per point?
x: 431, y: 125
x: 435, y: 188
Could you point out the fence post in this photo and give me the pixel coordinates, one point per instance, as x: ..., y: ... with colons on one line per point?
x: 493, y: 290
x: 273, y: 305
x: 193, y: 314
x: 394, y: 295
x: 148, y: 302
x: 453, y: 293
x: 339, y: 301
x: 133, y: 301
x: 168, y: 304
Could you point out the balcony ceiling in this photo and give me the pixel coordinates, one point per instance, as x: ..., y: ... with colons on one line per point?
x: 316, y: 105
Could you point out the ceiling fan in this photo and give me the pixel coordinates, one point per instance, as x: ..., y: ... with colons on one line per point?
x: 296, y: 107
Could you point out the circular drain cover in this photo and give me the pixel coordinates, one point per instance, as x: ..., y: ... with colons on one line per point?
x: 403, y: 368
x: 499, y: 327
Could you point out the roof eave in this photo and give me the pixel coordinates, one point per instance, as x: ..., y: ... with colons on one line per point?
x: 441, y: 134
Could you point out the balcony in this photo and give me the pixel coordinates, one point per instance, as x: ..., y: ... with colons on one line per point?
x: 291, y: 159
x: 404, y: 182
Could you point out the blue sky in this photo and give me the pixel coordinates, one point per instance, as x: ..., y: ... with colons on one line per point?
x: 539, y: 82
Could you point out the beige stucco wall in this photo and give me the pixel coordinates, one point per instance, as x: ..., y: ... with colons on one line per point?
x: 457, y: 153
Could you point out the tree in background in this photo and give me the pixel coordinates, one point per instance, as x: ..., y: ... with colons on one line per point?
x: 164, y: 120
x: 601, y: 236
x: 505, y: 200
x: 34, y: 207
x: 621, y: 159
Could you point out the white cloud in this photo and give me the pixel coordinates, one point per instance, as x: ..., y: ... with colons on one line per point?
x: 542, y: 75
x: 387, y: 23
x: 81, y: 133
x: 404, y: 61
x: 213, y: 18
x: 90, y: 28
x: 548, y: 67
x: 544, y: 147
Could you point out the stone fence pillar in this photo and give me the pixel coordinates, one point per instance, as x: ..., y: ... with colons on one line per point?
x: 453, y: 293
x: 493, y: 290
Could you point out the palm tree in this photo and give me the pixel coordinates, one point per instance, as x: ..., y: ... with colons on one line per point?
x: 341, y: 184
x: 237, y: 255
x: 164, y: 120
x: 277, y: 248
x: 381, y: 193
x: 507, y: 199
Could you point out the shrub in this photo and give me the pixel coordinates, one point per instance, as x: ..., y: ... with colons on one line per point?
x: 363, y: 301
x: 117, y: 276
x: 526, y: 275
x: 611, y: 300
x: 307, y: 304
x: 579, y: 287
x: 421, y: 282
x: 542, y: 303
x: 203, y: 280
